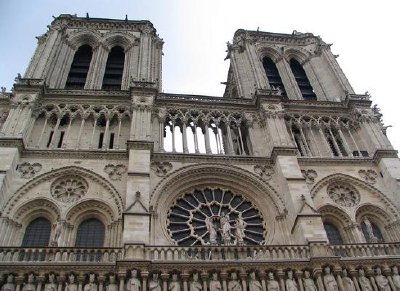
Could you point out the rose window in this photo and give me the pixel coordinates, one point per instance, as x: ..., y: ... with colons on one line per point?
x: 215, y: 217
x: 344, y: 194
x: 69, y: 189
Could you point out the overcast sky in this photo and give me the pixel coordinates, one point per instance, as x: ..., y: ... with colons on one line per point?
x: 365, y: 34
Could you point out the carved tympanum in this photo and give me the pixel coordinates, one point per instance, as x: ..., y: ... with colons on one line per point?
x: 343, y: 194
x: 69, y: 188
x: 29, y: 170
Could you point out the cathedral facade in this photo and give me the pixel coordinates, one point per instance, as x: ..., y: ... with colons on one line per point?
x: 286, y: 183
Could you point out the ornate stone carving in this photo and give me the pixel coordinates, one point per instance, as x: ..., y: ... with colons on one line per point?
x: 30, y: 285
x: 174, y: 284
x: 154, y: 283
x: 115, y: 171
x: 195, y: 285
x: 112, y: 285
x: 69, y: 188
x: 343, y: 194
x: 51, y: 285
x: 329, y: 280
x: 291, y: 284
x: 368, y: 176
x: 308, y: 282
x: 347, y: 281
x: 9, y: 285
x: 309, y: 175
x: 264, y: 171
x: 254, y: 284
x: 71, y: 285
x: 215, y: 217
x: 91, y: 286
x: 234, y: 284
x: 215, y: 284
x: 272, y: 284
x: 29, y: 170
x: 161, y: 168
x: 381, y: 281
x: 365, y: 283
x: 133, y: 283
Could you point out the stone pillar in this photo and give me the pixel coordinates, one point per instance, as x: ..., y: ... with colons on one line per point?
x: 164, y: 278
x: 224, y: 276
x: 185, y: 277
x: 262, y: 278
x: 61, y: 281
x: 291, y: 87
x: 204, y: 278
x: 144, y: 274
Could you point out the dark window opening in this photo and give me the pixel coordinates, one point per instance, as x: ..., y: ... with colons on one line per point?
x: 90, y: 233
x: 79, y: 68
x: 50, y: 138
x: 114, y: 69
x: 273, y: 76
x: 297, y: 140
x: 302, y: 81
x: 37, y: 233
x: 339, y: 142
x: 333, y: 234
x: 111, y: 144
x: 375, y: 231
x: 101, y: 138
x: 61, y: 139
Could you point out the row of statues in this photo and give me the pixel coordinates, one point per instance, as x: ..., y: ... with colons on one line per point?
x: 225, y: 229
x: 306, y: 282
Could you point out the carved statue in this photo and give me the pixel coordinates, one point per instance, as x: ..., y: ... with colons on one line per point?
x: 212, y: 232
x: 30, y: 285
x: 215, y: 284
x: 347, y: 281
x: 365, y: 283
x: 254, y: 284
x: 9, y: 285
x: 112, y: 285
x: 174, y: 284
x: 154, y: 284
x: 91, y: 286
x: 234, y: 284
x: 226, y: 229
x: 240, y: 226
x: 308, y: 282
x: 272, y: 284
x: 133, y: 283
x: 371, y: 237
x: 381, y: 281
x: 291, y: 284
x: 51, y: 285
x: 195, y: 285
x: 395, y: 278
x: 330, y: 281
x: 71, y: 285
x: 57, y: 228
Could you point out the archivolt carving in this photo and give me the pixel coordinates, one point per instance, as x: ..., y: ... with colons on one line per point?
x: 84, y: 36
x: 356, y: 183
x: 70, y: 170
x: 91, y: 207
x: 41, y: 205
x: 339, y: 216
x: 301, y: 55
x: 374, y: 211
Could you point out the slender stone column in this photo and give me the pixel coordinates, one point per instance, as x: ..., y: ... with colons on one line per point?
x: 173, y: 137
x: 325, y: 141
x: 101, y: 278
x: 19, y: 280
x: 314, y: 140
x: 345, y: 144
x: 119, y: 132
x: 308, y: 150
x: 184, y: 138
x: 243, y: 277
x: 354, y: 141
x: 64, y: 144
x: 164, y: 277
x: 207, y: 139
x: 262, y: 278
x: 243, y: 152
x: 81, y: 279
x: 224, y: 276
x: 121, y: 276
x: 299, y: 276
x: 353, y: 273
x: 229, y: 134
x: 185, y: 277
x: 334, y: 142
x: 93, y: 132
x: 78, y: 141
x: 40, y: 280
x: 144, y: 274
x: 281, y: 276
x: 51, y: 145
x: 106, y: 133
x: 204, y: 277
x: 320, y: 284
x: 161, y: 137
x: 196, y: 144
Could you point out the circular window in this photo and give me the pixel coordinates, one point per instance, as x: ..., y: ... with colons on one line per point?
x: 344, y: 194
x: 215, y: 217
x: 69, y: 188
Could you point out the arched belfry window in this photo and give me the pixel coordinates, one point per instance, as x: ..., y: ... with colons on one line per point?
x: 90, y: 233
x: 114, y: 69
x: 273, y: 76
x: 302, y: 80
x: 37, y: 233
x: 333, y: 234
x: 79, y: 68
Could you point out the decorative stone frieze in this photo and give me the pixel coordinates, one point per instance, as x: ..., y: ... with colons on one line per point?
x: 368, y: 176
x: 115, y: 172
x: 69, y: 188
x: 343, y: 194
x: 161, y: 168
x: 264, y: 171
x: 309, y: 175
x: 29, y: 170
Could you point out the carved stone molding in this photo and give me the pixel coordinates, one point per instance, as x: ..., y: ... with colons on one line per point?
x: 69, y: 188
x: 368, y: 176
x: 309, y: 175
x: 115, y: 171
x: 264, y: 171
x: 161, y: 168
x: 29, y: 170
x: 343, y: 194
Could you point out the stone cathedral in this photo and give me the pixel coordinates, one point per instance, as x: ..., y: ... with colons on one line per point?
x: 286, y: 183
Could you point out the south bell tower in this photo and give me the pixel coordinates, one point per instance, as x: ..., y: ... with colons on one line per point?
x: 290, y: 172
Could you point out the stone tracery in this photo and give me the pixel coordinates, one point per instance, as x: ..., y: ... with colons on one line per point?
x: 69, y: 189
x: 343, y: 194
x: 213, y: 217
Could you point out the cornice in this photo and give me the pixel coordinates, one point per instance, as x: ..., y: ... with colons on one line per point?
x: 140, y: 145
x: 75, y: 154
x: 317, y: 161
x: 12, y: 142
x: 381, y: 154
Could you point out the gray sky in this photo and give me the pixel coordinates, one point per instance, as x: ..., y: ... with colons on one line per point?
x: 363, y: 33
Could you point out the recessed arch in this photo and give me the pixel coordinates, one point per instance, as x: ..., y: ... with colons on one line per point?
x: 84, y: 37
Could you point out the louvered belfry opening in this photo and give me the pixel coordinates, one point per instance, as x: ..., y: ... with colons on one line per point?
x: 302, y: 80
x: 273, y: 76
x: 79, y: 68
x: 114, y: 69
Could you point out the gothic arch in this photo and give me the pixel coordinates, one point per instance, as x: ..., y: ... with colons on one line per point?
x: 379, y: 215
x: 297, y: 54
x: 83, y: 37
x: 69, y: 170
x: 37, y: 207
x: 270, y: 52
x: 91, y: 208
x: 391, y: 208
x: 117, y: 39
x: 334, y: 214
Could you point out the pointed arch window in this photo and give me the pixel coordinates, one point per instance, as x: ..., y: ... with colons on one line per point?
x: 90, y: 233
x: 79, y: 68
x: 273, y: 76
x: 333, y: 234
x: 302, y: 81
x: 114, y: 69
x: 37, y: 233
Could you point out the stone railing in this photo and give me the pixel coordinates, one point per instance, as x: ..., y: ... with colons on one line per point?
x: 61, y: 255
x: 353, y: 251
